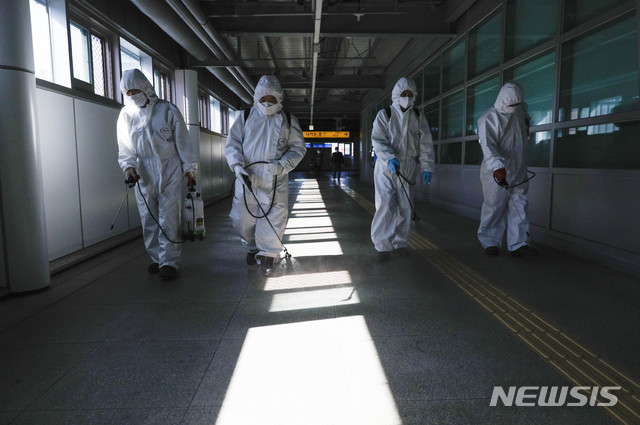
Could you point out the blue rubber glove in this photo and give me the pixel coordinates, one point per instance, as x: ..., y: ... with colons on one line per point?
x: 394, y: 165
x: 426, y: 177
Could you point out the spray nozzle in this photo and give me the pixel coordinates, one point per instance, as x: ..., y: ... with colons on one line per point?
x: 130, y: 181
x: 247, y: 181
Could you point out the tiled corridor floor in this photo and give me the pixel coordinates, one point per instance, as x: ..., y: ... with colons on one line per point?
x: 332, y: 337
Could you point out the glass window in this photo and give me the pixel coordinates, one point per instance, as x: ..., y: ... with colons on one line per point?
x: 480, y: 97
x: 578, y: 12
x: 129, y: 60
x: 432, y: 113
x: 432, y: 80
x: 485, y: 46
x: 599, y: 70
x: 41, y: 39
x: 537, y: 78
x: 452, y: 119
x: 215, y: 114
x: 233, y: 115
x: 419, y: 85
x: 98, y: 62
x: 160, y: 84
x: 529, y: 24
x: 599, y: 146
x: 451, y: 153
x: 537, y: 149
x: 80, y: 53
x: 453, y: 67
x: 472, y: 153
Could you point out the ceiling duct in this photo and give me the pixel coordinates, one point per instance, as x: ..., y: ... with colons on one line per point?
x: 170, y: 23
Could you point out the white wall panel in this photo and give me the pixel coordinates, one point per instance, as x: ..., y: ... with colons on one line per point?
x: 450, y: 183
x: 472, y: 187
x: 205, y: 180
x: 101, y: 180
x: 598, y: 208
x: 3, y: 272
x: 219, y: 161
x: 57, y: 135
x: 539, y: 199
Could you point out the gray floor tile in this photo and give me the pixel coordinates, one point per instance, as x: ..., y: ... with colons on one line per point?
x: 27, y: 371
x: 449, y: 412
x: 6, y: 416
x: 65, y: 323
x: 133, y: 375
x: 176, y: 322
x: 101, y: 417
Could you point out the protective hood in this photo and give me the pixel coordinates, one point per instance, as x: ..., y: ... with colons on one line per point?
x: 268, y: 86
x: 135, y: 79
x: 510, y: 93
x: 402, y: 85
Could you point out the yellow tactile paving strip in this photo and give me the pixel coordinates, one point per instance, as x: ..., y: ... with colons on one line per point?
x: 577, y: 363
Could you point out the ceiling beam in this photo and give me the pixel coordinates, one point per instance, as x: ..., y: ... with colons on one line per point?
x: 335, y: 82
x: 419, y: 24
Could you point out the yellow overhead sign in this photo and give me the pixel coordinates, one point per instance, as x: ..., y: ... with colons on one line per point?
x: 325, y: 134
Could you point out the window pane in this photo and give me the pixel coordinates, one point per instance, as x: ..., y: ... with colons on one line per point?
x: 129, y: 60
x: 472, y: 153
x: 97, y: 56
x: 453, y: 67
x: 216, y: 118
x: 599, y: 146
x: 432, y: 80
x: 481, y: 97
x: 579, y: 12
x: 484, y: 46
x: 452, y: 115
x: 432, y: 113
x: 537, y: 150
x: 419, y: 85
x: 81, y: 57
x: 41, y: 39
x: 529, y: 24
x: 599, y: 71
x: 158, y: 84
x: 451, y: 153
x: 537, y: 78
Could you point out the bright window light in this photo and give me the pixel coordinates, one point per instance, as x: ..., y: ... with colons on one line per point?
x: 309, y: 222
x: 308, y: 280
x: 41, y: 39
x: 311, y: 237
x: 300, y: 373
x: 316, y: 249
x: 302, y: 231
x: 308, y: 205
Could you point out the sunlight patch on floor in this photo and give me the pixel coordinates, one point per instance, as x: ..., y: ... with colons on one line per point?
x: 304, y: 374
x: 307, y: 280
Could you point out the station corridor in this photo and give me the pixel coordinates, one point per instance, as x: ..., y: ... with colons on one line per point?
x: 332, y: 337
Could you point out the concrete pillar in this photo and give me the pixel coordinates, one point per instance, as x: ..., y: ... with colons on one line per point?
x: 24, y: 238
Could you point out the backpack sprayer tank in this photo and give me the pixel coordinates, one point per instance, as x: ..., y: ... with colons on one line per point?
x: 193, y: 216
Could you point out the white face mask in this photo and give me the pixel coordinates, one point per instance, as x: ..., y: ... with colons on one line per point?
x: 405, y: 101
x: 139, y: 99
x: 267, y: 108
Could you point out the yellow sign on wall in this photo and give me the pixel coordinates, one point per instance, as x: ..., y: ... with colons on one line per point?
x: 325, y: 134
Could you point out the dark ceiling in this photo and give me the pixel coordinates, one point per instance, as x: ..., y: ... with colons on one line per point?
x: 331, y: 56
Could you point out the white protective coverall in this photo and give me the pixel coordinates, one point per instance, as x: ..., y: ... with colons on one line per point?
x: 270, y: 139
x: 503, y: 135
x: 406, y: 137
x: 154, y: 141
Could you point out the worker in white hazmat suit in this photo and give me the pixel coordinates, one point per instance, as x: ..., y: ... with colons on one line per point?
x: 402, y: 142
x: 264, y: 144
x: 154, y: 151
x: 503, y: 133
